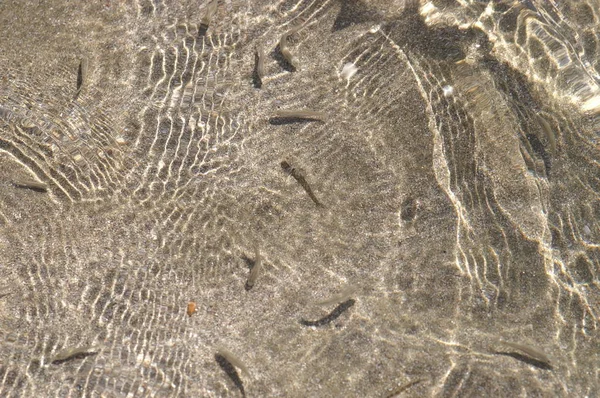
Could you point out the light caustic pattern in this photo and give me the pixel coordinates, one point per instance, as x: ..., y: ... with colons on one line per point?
x: 433, y: 232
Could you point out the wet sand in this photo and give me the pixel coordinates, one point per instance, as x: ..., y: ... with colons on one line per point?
x: 436, y: 234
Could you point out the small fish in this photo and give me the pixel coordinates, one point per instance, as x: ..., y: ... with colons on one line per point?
x: 340, y: 297
x: 332, y: 316
x: 233, y: 360
x: 548, y: 132
x: 256, y: 269
x: 191, y: 308
x: 285, y: 50
x: 403, y: 388
x: 72, y: 353
x: 301, y: 180
x: 260, y: 64
x: 32, y: 185
x: 211, y: 9
x: 531, y: 352
x: 260, y: 61
x: 300, y: 114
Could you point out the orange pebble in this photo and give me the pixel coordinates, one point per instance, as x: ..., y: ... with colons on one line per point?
x: 191, y: 308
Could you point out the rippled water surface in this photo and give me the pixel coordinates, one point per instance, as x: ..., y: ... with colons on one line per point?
x: 425, y: 221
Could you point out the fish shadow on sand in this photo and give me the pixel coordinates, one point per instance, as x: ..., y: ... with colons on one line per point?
x: 281, y: 120
x: 281, y: 61
x: 231, y: 372
x: 256, y: 79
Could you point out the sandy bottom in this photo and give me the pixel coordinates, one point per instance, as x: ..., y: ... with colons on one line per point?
x: 299, y: 199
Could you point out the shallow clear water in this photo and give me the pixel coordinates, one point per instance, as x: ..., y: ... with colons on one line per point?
x: 431, y: 231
